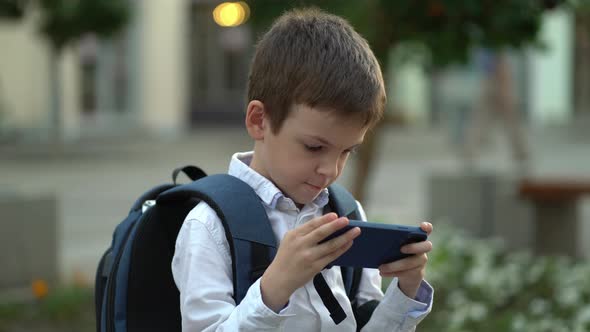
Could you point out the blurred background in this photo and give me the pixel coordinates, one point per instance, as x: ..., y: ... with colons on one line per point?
x: 487, y: 135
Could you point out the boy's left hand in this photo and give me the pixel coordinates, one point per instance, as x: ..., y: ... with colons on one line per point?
x: 410, y: 270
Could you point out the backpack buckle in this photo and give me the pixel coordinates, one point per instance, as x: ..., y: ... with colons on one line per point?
x: 147, y: 204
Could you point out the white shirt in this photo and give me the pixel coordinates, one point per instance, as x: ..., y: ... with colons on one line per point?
x: 203, y: 274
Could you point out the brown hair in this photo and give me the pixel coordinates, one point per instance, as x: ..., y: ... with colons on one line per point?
x: 317, y: 59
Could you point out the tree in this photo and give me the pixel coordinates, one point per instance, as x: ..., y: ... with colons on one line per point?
x: 62, y: 23
x: 444, y: 31
x: 11, y: 9
x: 582, y: 56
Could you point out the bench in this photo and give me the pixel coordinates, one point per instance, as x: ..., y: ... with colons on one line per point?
x: 556, y: 214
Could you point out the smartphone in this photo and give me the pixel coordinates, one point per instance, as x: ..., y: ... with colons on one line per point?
x: 377, y: 244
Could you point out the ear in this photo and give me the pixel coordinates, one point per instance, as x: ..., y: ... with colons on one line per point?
x: 256, y: 120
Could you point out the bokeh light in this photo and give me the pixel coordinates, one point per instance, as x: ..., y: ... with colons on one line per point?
x: 231, y: 14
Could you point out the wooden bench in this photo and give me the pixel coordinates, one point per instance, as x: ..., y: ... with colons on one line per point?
x: 556, y: 214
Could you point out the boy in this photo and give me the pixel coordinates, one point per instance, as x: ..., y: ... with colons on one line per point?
x: 314, y: 90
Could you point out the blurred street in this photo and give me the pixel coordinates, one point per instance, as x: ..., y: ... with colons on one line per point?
x: 97, y: 181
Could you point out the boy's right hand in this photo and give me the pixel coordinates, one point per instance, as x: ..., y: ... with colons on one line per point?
x: 300, y: 257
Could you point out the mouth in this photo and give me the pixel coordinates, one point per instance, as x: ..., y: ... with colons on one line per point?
x: 314, y: 186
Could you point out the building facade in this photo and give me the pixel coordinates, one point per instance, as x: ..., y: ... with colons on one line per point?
x: 173, y: 69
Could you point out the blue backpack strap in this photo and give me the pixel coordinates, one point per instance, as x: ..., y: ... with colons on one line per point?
x: 342, y: 202
x: 149, y: 195
x: 251, y: 239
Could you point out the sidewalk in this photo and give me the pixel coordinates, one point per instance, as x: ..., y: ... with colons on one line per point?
x: 96, y: 182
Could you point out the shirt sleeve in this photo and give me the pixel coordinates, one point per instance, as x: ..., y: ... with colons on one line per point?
x: 202, y: 271
x: 396, y: 311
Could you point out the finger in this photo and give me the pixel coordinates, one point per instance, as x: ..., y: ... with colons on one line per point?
x: 319, y: 252
x: 406, y: 274
x: 408, y: 263
x: 323, y: 231
x: 314, y: 223
x: 417, y: 247
x: 329, y: 258
x: 336, y: 243
x: 427, y: 227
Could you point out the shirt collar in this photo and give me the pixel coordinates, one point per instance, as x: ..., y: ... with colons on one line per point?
x: 269, y: 193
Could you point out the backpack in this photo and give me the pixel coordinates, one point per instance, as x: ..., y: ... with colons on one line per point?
x: 134, y: 287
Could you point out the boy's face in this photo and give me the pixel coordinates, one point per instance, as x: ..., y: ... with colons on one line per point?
x: 308, y: 153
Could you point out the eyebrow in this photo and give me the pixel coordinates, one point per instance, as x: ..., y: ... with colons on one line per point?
x: 325, y: 142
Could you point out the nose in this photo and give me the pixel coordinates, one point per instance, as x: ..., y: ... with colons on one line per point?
x: 329, y: 167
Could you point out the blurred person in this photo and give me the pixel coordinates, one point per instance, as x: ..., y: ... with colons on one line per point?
x: 315, y: 89
x: 497, y: 103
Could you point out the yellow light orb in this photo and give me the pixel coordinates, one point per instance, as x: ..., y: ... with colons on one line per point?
x: 246, y: 10
x: 231, y: 14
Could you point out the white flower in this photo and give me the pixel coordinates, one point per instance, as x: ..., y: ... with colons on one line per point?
x: 568, y: 297
x: 519, y: 323
x: 539, y: 307
x: 583, y: 315
x: 478, y: 311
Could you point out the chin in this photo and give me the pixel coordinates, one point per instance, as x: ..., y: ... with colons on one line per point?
x: 302, y: 199
x: 307, y: 200
x: 304, y: 195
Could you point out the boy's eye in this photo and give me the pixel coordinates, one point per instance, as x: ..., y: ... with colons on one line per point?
x: 313, y: 148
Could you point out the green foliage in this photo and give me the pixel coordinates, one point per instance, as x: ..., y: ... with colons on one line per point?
x: 450, y: 28
x: 65, y: 20
x: 67, y: 308
x: 479, y: 286
x: 67, y: 303
x: 447, y: 29
x: 579, y: 5
x: 12, y: 9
